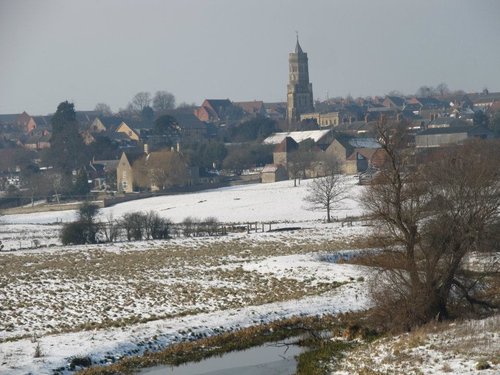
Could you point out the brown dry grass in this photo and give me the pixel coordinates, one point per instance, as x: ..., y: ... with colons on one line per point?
x: 96, y: 288
x: 475, y: 341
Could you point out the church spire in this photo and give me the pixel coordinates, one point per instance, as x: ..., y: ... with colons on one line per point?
x: 297, y: 46
x: 299, y: 89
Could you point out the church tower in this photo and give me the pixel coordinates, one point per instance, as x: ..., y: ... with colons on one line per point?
x: 300, y: 95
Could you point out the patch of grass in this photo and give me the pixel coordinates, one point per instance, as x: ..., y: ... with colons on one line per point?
x: 483, y: 365
x: 317, y: 360
x: 118, y: 285
x: 446, y: 368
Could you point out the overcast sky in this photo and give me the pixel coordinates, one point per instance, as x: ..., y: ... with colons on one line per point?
x: 90, y: 51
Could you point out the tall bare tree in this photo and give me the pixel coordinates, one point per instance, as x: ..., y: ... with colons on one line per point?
x: 429, y: 218
x: 163, y: 101
x: 299, y: 161
x: 162, y: 169
x: 442, y: 89
x: 325, y: 193
x: 140, y: 101
x: 103, y: 109
x: 425, y: 91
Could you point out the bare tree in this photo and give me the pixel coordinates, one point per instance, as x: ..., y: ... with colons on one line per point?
x: 163, y: 101
x: 294, y: 167
x: 134, y: 225
x: 162, y: 169
x: 430, y: 217
x: 325, y: 193
x: 425, y: 91
x: 299, y: 161
x: 156, y: 227
x: 103, y: 109
x: 442, y: 89
x: 140, y: 100
x: 111, y: 228
x: 57, y: 183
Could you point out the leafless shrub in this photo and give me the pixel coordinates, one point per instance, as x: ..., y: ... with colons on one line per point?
x: 111, y: 228
x: 38, y: 351
x: 189, y: 225
x: 156, y: 227
x: 208, y: 226
x: 134, y: 225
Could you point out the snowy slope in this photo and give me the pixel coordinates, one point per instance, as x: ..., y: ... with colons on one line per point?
x: 279, y: 201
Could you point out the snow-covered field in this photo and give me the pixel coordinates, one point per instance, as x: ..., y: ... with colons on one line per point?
x: 279, y: 202
x: 109, y: 300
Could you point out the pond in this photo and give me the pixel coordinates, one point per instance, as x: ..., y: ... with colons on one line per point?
x: 276, y: 358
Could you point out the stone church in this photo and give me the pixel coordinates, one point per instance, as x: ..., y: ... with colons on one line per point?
x: 300, y: 95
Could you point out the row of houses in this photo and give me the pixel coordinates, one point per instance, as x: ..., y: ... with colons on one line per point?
x: 356, y: 115
x: 194, y: 124
x: 360, y: 154
x: 197, y: 123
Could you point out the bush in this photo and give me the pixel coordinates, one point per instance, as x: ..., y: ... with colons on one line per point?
x: 483, y: 365
x: 189, y: 226
x: 134, y: 224
x: 138, y: 226
x: 73, y: 233
x: 156, y: 227
x: 85, y: 229
x: 195, y: 227
x: 209, y: 226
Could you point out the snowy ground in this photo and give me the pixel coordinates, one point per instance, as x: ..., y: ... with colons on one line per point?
x: 279, y: 202
x: 457, y: 348
x: 184, y: 286
x: 112, y: 300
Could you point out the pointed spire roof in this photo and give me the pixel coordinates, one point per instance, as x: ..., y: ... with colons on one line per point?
x: 298, y: 49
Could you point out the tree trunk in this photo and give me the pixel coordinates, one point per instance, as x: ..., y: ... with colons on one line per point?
x: 429, y: 305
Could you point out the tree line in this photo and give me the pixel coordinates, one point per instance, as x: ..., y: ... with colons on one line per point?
x: 133, y: 226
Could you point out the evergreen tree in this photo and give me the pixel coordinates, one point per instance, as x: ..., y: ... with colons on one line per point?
x: 81, y: 186
x: 67, y: 150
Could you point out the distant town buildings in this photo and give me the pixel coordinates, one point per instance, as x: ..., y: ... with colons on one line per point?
x: 304, y: 135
